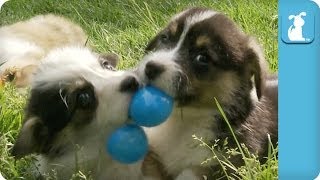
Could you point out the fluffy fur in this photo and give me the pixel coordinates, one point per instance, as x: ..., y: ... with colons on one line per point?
x: 199, y: 56
x: 25, y: 43
x: 76, y: 101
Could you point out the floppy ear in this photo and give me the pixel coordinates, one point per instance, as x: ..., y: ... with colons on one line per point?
x: 31, y: 138
x: 112, y: 58
x: 291, y: 17
x: 303, y: 14
x: 257, y: 65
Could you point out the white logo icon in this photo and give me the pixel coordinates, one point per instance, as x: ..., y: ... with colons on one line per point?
x: 2, y: 2
x: 295, y: 30
x: 317, y: 178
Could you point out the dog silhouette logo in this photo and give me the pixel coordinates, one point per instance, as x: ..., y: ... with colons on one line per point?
x: 298, y: 26
x: 295, y: 31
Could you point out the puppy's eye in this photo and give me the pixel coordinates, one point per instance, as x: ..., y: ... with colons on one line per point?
x: 201, y: 60
x: 85, y: 100
x: 106, y: 65
x: 164, y: 38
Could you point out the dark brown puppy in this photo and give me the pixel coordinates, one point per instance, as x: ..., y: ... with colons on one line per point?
x: 199, y: 56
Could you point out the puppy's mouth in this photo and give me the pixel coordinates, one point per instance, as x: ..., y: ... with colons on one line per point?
x: 175, y: 83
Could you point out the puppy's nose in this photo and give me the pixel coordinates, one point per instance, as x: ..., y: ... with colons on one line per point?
x: 129, y: 84
x: 153, y: 70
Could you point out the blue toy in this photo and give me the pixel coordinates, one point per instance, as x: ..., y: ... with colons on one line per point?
x: 127, y: 144
x: 150, y: 107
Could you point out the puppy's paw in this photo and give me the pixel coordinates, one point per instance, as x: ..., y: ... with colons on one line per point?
x: 187, y: 174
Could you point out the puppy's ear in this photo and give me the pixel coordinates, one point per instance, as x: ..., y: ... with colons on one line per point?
x: 303, y: 14
x: 291, y: 17
x: 111, y: 58
x: 257, y: 65
x: 31, y: 138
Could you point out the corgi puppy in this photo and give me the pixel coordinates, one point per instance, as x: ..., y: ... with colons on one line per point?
x: 199, y: 56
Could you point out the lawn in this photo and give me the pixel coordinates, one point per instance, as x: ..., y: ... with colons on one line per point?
x: 124, y: 27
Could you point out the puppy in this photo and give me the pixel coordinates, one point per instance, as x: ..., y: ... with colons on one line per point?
x: 77, y: 100
x: 199, y: 56
x: 24, y: 43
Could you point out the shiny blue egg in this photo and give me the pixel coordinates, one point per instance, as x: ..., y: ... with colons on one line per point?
x: 128, y: 144
x: 150, y: 107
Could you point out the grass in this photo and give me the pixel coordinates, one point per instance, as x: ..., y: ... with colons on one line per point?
x: 252, y: 168
x: 124, y: 27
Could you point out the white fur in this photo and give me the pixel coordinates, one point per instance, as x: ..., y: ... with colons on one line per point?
x: 86, y: 148
x: 179, y: 15
x: 190, y: 21
x: 167, y: 58
x: 187, y: 174
x: 272, y: 82
x: 14, y: 47
x: 253, y: 92
x: 198, y: 18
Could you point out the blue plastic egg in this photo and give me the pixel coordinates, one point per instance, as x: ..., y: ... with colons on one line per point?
x: 150, y: 107
x: 128, y: 144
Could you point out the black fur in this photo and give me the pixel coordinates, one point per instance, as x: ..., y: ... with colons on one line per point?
x: 129, y: 84
x: 54, y: 107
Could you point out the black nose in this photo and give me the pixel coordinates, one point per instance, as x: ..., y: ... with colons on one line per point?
x: 153, y: 70
x: 129, y: 84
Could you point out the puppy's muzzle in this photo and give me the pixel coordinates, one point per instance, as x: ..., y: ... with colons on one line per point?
x: 176, y: 83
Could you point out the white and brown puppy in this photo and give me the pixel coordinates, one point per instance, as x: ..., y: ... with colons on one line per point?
x: 24, y: 44
x: 199, y: 56
x: 76, y: 101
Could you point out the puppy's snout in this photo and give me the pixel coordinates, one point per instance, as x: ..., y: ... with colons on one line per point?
x: 153, y: 70
x: 129, y: 84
